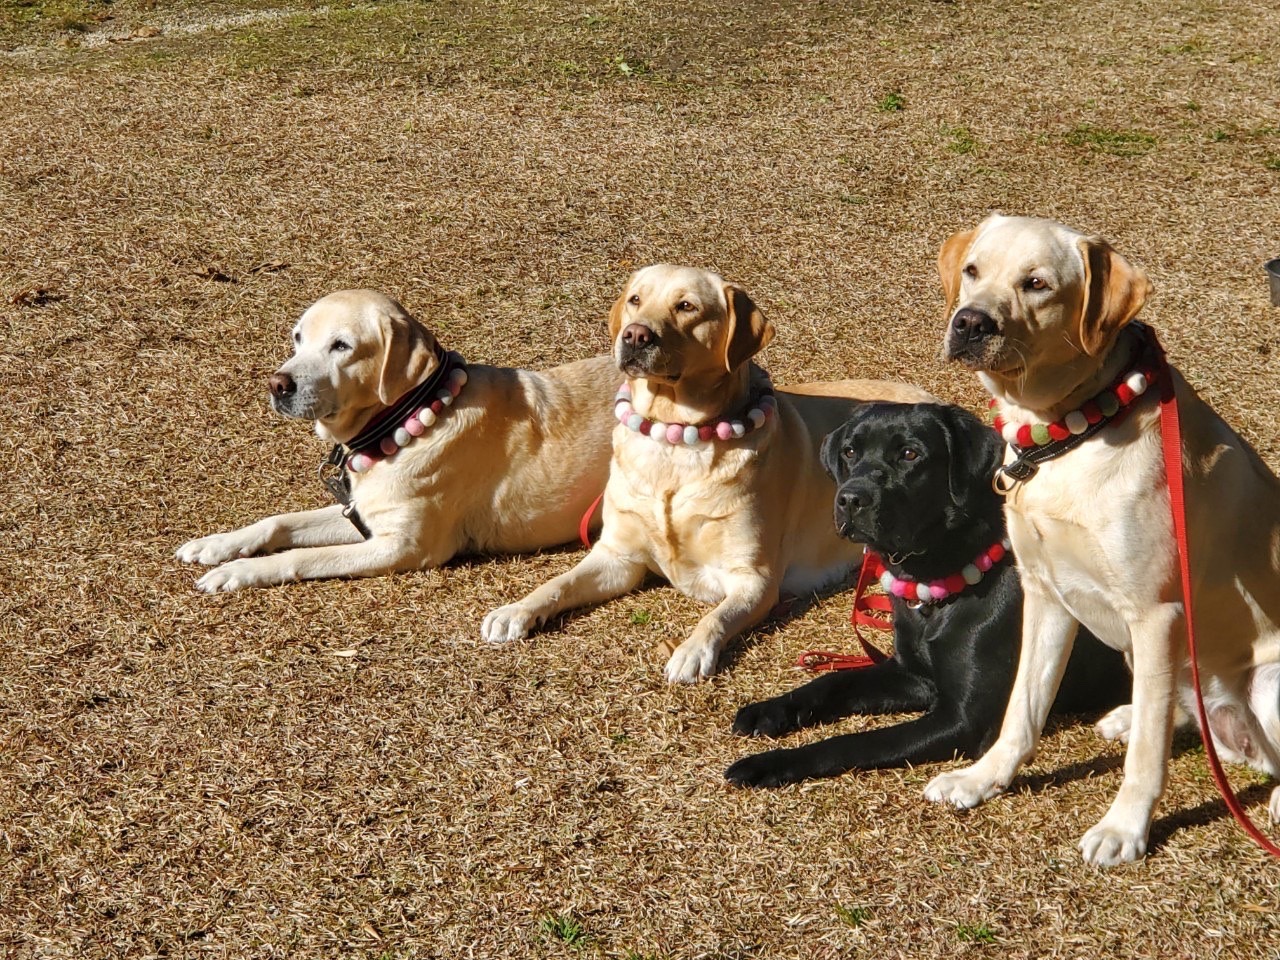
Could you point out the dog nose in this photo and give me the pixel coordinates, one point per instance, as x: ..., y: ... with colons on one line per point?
x: 637, y: 335
x: 970, y: 324
x: 849, y: 501
x: 281, y: 384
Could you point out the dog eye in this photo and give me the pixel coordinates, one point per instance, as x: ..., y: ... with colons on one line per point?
x: 971, y: 271
x: 849, y: 453
x: 339, y: 346
x: 634, y: 299
x: 1035, y: 283
x: 909, y: 455
x: 684, y: 306
x: 297, y: 337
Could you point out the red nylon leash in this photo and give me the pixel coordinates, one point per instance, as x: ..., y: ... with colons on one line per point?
x: 875, y: 611
x: 1171, y: 440
x: 584, y: 525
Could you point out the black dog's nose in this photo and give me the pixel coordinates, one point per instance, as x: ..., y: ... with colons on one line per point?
x: 970, y: 324
x: 637, y: 335
x: 281, y: 384
x: 849, y: 501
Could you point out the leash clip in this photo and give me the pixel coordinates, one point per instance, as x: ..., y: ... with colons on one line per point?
x: 1009, y: 475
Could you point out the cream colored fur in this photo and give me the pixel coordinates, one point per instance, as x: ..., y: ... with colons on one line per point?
x: 509, y: 468
x: 1092, y: 530
x: 729, y: 523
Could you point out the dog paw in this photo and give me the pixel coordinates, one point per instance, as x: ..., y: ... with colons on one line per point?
x: 232, y: 576
x: 769, y: 769
x: 1109, y: 846
x: 1273, y: 805
x: 691, y: 662
x: 506, y: 624
x: 218, y: 548
x: 962, y: 789
x: 768, y: 718
x: 1115, y: 725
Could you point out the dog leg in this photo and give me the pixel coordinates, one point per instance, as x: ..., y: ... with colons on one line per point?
x: 937, y: 735
x: 883, y: 688
x: 1048, y: 632
x: 601, y: 575
x: 748, y: 599
x: 1121, y: 835
x: 364, y: 558
x: 306, y: 528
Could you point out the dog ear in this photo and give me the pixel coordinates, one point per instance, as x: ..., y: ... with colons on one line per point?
x: 408, y: 349
x: 974, y: 450
x: 747, y: 330
x: 950, y: 258
x: 829, y: 453
x: 616, y: 314
x: 1114, y: 292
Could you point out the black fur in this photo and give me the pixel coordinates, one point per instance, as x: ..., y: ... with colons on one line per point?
x: 953, y: 661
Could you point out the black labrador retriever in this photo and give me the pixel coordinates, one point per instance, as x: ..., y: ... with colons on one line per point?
x: 914, y: 484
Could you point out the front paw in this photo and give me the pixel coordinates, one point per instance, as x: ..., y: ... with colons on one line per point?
x: 963, y: 789
x: 692, y: 661
x: 773, y: 768
x: 237, y: 575
x: 506, y: 624
x: 219, y: 548
x: 1106, y: 845
x: 1115, y: 725
x: 768, y: 718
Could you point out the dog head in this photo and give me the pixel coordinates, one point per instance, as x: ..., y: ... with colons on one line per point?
x: 913, y: 478
x: 354, y: 352
x: 680, y: 325
x: 1034, y: 306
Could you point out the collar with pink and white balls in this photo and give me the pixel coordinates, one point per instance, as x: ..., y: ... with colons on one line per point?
x: 935, y: 591
x: 761, y: 411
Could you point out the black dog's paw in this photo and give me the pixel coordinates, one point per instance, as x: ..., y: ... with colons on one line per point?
x: 768, y: 718
x: 773, y: 768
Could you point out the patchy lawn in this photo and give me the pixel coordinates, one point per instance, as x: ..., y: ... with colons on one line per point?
x: 342, y: 768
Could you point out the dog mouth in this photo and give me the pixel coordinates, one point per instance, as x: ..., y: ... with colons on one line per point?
x: 985, y: 357
x: 639, y: 369
x: 299, y: 407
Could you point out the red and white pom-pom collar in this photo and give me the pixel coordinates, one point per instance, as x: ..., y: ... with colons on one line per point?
x: 934, y: 591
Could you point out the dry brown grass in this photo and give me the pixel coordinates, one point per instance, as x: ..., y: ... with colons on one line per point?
x: 342, y: 768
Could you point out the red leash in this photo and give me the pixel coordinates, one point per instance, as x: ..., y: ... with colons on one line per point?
x: 1171, y: 438
x: 584, y: 526
x: 875, y: 611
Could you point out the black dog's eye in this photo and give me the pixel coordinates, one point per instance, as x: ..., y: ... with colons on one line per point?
x: 1034, y: 283
x: 634, y: 299
x: 684, y: 306
x: 849, y: 453
x: 971, y: 271
x: 908, y: 454
x: 339, y: 346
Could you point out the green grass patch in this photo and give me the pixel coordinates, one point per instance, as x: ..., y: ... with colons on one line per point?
x: 960, y: 140
x: 1117, y: 143
x: 975, y: 933
x: 563, y: 928
x: 852, y: 916
x: 891, y: 103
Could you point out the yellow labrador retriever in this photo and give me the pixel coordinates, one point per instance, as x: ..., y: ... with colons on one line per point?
x: 1043, y: 313
x: 508, y: 466
x: 715, y: 483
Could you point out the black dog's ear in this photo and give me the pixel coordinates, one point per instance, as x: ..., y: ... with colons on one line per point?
x: 832, y: 443
x: 830, y: 451
x: 974, y: 451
